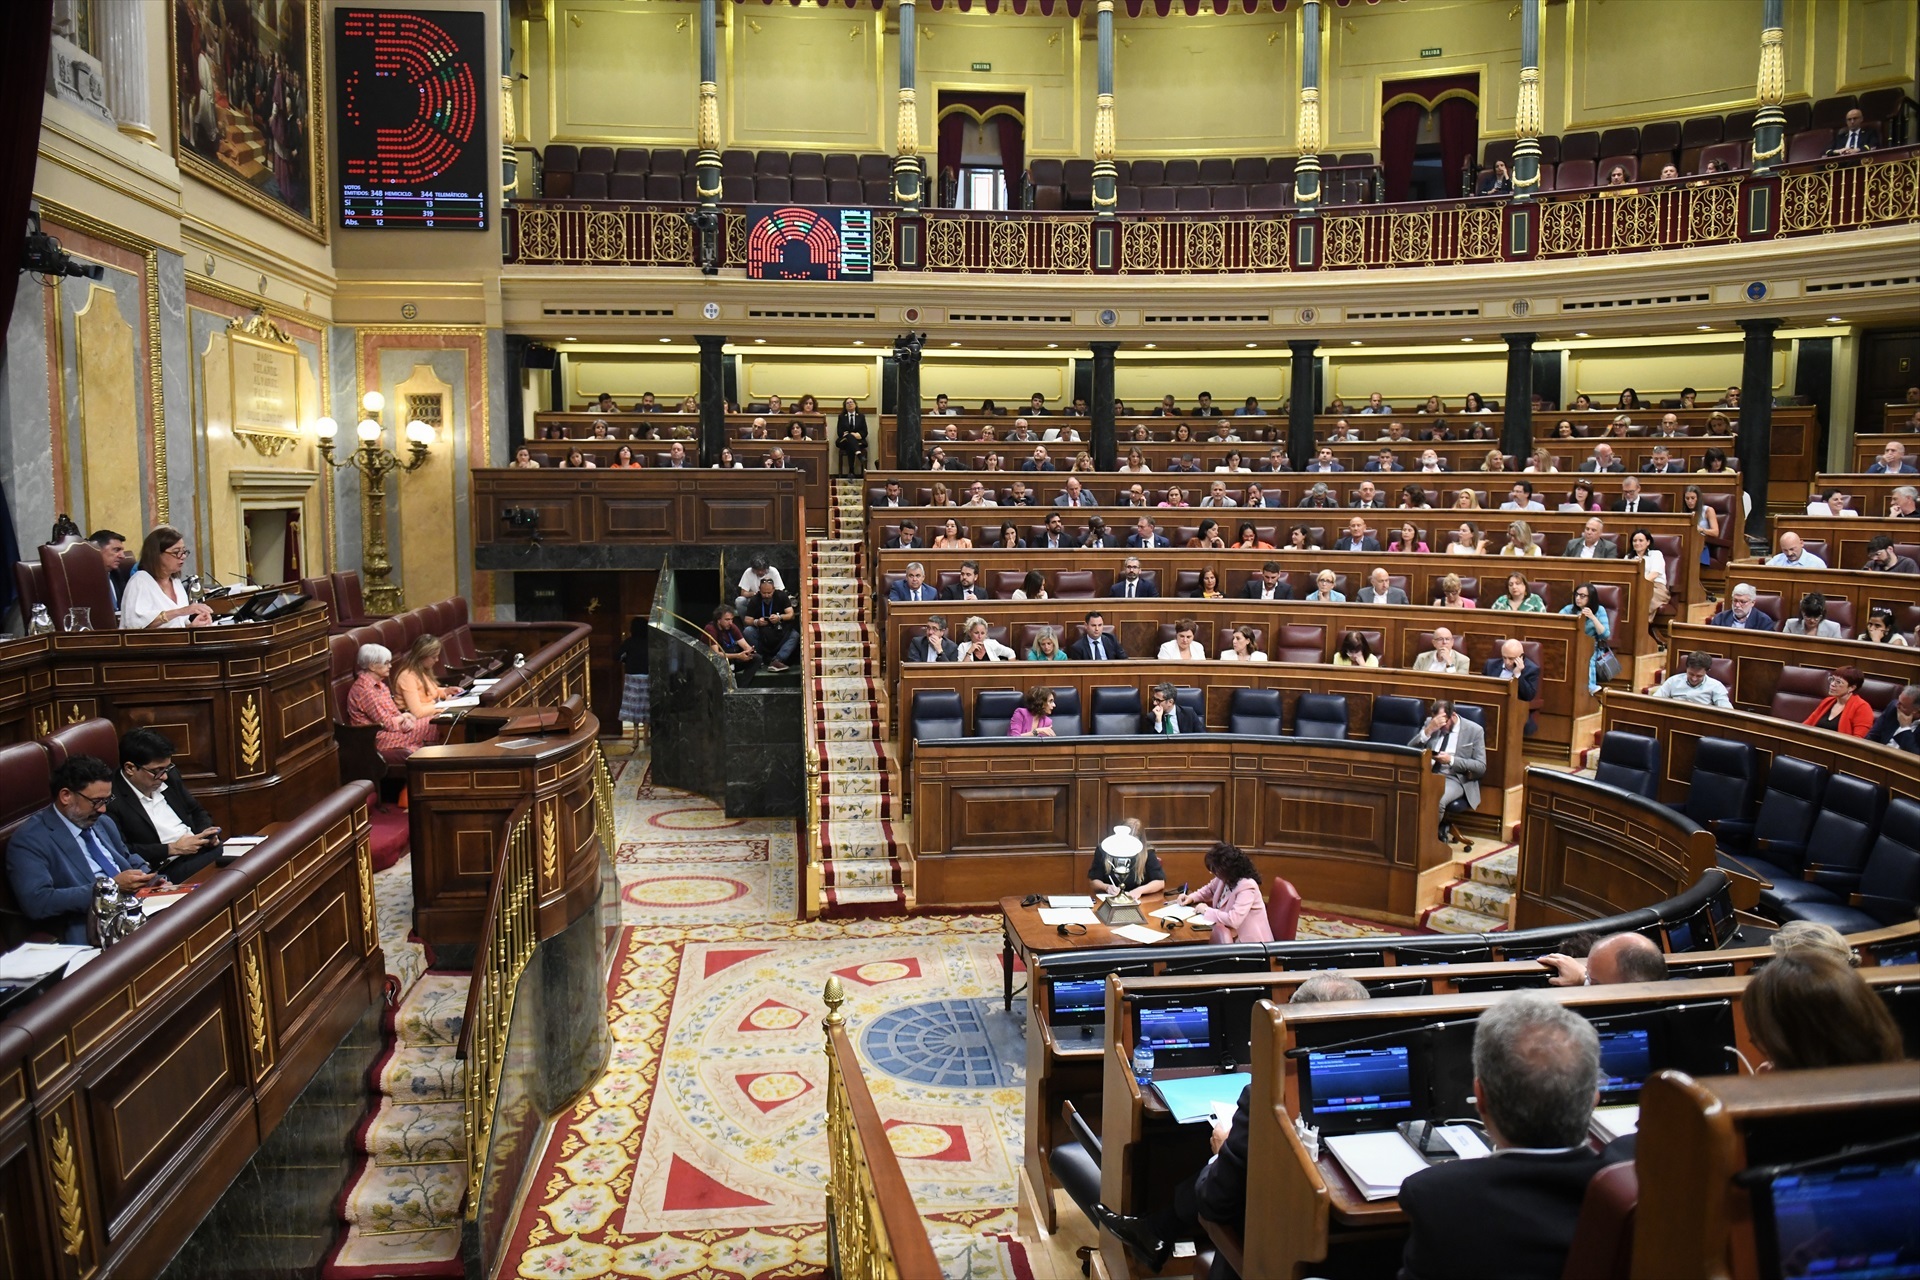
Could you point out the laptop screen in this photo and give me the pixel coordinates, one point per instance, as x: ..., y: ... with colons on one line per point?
x: 1626, y: 1059
x: 1850, y: 1222
x: 1353, y: 1089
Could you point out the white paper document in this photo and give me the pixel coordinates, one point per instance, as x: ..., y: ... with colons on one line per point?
x: 1068, y: 915
x: 155, y: 903
x: 234, y: 846
x: 481, y: 686
x: 454, y: 704
x: 33, y: 960
x: 1616, y: 1122
x: 1139, y: 933
x: 1069, y: 900
x: 1466, y: 1144
x: 1175, y: 914
x: 1377, y: 1162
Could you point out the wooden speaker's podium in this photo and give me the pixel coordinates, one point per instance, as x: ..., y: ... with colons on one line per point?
x: 461, y: 797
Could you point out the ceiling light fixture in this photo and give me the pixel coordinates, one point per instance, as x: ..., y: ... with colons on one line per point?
x: 1583, y: 335
x: 1834, y: 320
x: 1703, y: 327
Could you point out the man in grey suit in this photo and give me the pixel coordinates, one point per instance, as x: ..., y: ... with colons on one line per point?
x: 1592, y: 544
x: 1380, y: 591
x: 58, y: 852
x: 1602, y: 459
x: 1459, y: 750
x: 1075, y: 495
x: 1443, y: 656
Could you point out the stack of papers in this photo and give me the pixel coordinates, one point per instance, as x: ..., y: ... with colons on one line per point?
x: 1068, y: 915
x: 1137, y: 933
x: 454, y: 704
x: 481, y: 686
x: 1616, y: 1122
x: 1377, y: 1162
x: 1195, y: 1098
x: 238, y: 846
x: 1175, y: 914
x: 31, y: 961
x: 1069, y: 900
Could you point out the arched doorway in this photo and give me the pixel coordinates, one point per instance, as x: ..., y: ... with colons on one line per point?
x: 983, y: 138
x: 1429, y: 133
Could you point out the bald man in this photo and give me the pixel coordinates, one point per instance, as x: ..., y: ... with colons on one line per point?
x: 1616, y: 958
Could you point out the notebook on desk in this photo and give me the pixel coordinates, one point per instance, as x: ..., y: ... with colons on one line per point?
x: 1377, y: 1162
x: 1194, y: 1098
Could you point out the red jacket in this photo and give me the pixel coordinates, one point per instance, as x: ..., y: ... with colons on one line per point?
x: 1855, y: 718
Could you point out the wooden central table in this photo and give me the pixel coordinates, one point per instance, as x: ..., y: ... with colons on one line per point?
x: 1023, y: 935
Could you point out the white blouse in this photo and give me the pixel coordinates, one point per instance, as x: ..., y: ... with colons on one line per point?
x: 1228, y: 655
x: 1170, y: 652
x: 145, y: 599
x: 1656, y: 566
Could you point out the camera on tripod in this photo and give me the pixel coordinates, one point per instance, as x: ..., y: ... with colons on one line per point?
x: 43, y: 256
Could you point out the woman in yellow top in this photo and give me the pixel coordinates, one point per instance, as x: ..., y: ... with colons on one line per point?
x: 413, y: 679
x: 1355, y: 651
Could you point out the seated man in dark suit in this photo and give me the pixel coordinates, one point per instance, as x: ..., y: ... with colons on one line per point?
x: 1058, y: 536
x: 1098, y: 644
x: 1269, y: 585
x: 1130, y: 585
x: 969, y: 587
x: 933, y: 645
x: 1536, y: 1068
x: 1146, y: 534
x: 913, y: 587
x: 1218, y: 1192
x: 908, y: 539
x: 1098, y: 535
x: 1514, y: 664
x: 1166, y: 715
x: 161, y: 821
x: 58, y: 852
x: 1356, y: 538
x: 1740, y: 611
x: 1899, y: 724
x: 1855, y: 136
x: 892, y: 496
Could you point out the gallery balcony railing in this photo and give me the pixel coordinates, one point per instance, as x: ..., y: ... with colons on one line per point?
x: 1817, y: 198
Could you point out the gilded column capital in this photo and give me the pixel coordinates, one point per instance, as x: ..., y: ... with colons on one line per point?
x: 709, y: 116
x: 1773, y: 67
x: 906, y: 140
x: 1309, y: 129
x: 1103, y: 132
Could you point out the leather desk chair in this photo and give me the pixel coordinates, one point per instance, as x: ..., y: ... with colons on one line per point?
x: 96, y: 737
x: 76, y: 578
x: 1630, y: 762
x: 1889, y: 885
x: 1834, y: 853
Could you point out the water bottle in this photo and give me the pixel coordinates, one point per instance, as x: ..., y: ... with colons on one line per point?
x: 41, y: 623
x: 1143, y: 1063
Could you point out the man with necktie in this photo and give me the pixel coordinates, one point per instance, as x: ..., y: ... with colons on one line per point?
x: 1854, y: 137
x: 1459, y: 750
x: 1130, y: 585
x: 1096, y: 644
x: 1629, y: 496
x: 914, y: 587
x: 113, y: 550
x: 58, y: 852
x: 1168, y: 717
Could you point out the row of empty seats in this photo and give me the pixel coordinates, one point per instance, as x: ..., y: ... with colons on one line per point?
x: 1830, y: 847
x: 1216, y: 182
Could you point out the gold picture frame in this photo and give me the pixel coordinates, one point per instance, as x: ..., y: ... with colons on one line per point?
x: 263, y: 372
x: 262, y: 161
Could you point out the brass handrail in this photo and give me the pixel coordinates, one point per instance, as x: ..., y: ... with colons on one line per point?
x: 875, y: 1230
x: 506, y: 945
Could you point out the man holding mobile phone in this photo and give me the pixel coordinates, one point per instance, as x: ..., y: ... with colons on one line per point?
x: 59, y: 851
x: 163, y: 824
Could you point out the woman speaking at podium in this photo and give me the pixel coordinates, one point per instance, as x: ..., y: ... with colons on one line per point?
x: 1123, y: 864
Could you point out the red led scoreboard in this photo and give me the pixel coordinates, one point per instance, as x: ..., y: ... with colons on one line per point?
x: 412, y: 123
x: 809, y: 242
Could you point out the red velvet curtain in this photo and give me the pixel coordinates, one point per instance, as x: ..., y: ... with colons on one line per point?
x: 26, y: 26
x: 952, y: 140
x: 1399, y: 127
x: 1013, y: 149
x: 1459, y: 140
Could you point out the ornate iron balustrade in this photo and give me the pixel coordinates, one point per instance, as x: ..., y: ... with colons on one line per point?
x: 506, y: 945
x: 1817, y: 198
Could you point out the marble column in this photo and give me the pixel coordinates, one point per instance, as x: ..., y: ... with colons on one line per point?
x: 706, y: 168
x: 1306, y: 170
x: 1754, y: 442
x: 1527, y: 115
x: 123, y: 56
x: 509, y: 127
x: 907, y: 450
x: 1106, y: 445
x: 1516, y: 437
x: 713, y: 397
x: 906, y: 134
x: 1106, y: 175
x: 1770, y: 125
x: 1303, y: 401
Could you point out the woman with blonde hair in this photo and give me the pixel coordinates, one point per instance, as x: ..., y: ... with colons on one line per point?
x: 1520, y: 540
x: 414, y: 682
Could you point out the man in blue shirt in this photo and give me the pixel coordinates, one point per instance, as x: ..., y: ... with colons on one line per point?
x: 58, y: 852
x: 1794, y: 555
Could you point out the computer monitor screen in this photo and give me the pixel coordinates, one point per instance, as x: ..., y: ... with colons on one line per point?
x: 1079, y: 1002
x: 1680, y: 937
x: 1626, y: 1060
x: 1373, y: 958
x: 1175, y: 1028
x: 1849, y: 1222
x: 1465, y: 953
x: 1895, y: 951
x: 1350, y: 1090
x: 1720, y: 912
x: 1389, y: 988
x: 1503, y: 981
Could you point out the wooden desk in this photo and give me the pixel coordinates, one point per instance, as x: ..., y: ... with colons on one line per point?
x: 1872, y: 495
x: 585, y: 517
x: 1867, y: 446
x: 1352, y: 823
x: 1588, y: 851
x: 133, y: 1092
x: 461, y: 798
x: 1756, y: 659
x: 1024, y: 936
x: 245, y: 705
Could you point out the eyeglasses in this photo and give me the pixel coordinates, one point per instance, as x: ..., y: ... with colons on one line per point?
x: 180, y: 552
x: 153, y: 770
x: 98, y: 804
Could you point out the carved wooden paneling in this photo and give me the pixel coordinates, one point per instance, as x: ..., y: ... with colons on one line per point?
x: 1589, y: 851
x: 648, y: 508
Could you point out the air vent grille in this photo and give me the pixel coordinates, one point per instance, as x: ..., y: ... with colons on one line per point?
x: 812, y: 315
x: 638, y: 313
x: 1622, y: 304
x: 1433, y: 313
x: 1840, y: 286
x: 985, y: 317
x: 1181, y: 317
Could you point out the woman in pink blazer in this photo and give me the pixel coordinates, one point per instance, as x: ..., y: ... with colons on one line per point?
x: 1232, y: 902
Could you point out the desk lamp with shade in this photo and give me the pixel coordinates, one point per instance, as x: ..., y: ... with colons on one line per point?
x: 1119, y: 852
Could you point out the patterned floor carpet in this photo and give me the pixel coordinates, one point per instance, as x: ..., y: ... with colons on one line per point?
x: 702, y: 1152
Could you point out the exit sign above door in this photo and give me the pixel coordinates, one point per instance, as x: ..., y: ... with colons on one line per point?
x: 1430, y: 53
x: 983, y: 66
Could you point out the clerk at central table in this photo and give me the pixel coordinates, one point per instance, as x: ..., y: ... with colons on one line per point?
x: 1124, y: 864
